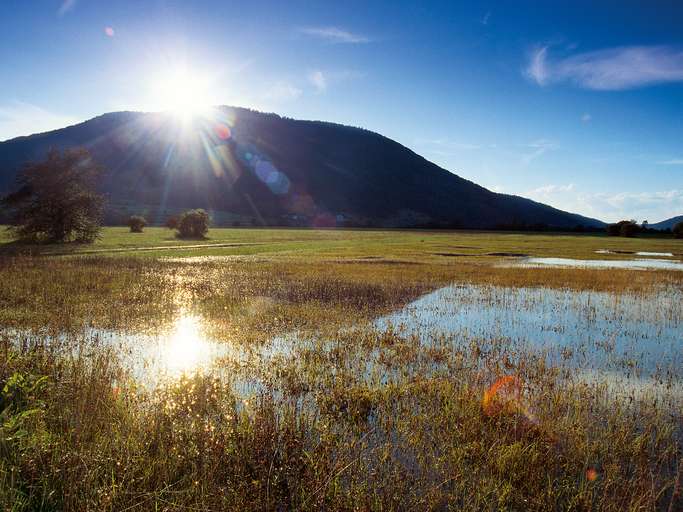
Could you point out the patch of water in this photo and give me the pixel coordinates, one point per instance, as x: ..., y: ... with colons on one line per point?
x: 636, y: 264
x: 638, y: 338
x: 660, y: 254
x: 154, y: 359
x: 634, y: 341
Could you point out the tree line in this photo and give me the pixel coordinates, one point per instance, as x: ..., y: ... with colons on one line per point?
x: 56, y: 200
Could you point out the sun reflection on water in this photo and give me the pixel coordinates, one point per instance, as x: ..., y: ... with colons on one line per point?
x: 185, y: 350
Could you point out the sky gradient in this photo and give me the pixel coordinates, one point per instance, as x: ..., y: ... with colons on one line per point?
x: 572, y: 104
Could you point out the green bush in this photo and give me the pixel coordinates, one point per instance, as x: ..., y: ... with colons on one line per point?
x: 136, y: 223
x: 677, y: 230
x: 193, y: 224
x: 627, y: 228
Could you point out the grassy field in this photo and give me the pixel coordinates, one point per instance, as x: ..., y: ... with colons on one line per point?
x: 351, y: 416
x: 339, y: 244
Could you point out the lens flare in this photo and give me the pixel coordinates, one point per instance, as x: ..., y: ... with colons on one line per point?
x: 506, y: 397
x: 109, y: 31
x: 222, y: 131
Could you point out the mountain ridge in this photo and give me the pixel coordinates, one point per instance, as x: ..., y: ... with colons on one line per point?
x: 667, y: 223
x: 262, y: 168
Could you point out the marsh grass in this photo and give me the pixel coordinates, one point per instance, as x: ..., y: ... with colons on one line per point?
x: 356, y: 418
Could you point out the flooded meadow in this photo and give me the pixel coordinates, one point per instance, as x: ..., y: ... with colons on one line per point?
x: 476, y: 386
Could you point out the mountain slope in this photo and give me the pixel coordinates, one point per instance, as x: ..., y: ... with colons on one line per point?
x: 668, y: 223
x: 268, y: 169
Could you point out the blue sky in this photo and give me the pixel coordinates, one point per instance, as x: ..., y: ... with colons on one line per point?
x: 569, y: 103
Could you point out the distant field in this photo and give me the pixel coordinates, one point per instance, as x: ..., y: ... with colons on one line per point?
x: 321, y: 244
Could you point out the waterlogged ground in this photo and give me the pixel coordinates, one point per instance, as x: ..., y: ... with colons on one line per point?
x: 633, y: 341
x: 629, y: 339
x: 636, y: 264
x: 372, y: 376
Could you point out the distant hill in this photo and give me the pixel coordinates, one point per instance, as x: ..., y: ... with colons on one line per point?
x: 255, y: 168
x: 668, y: 223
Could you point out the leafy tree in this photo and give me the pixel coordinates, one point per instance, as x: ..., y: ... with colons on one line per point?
x: 677, y: 230
x: 193, y: 224
x: 56, y: 200
x: 172, y: 222
x: 627, y: 228
x: 137, y: 223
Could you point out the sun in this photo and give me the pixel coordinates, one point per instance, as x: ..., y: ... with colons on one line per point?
x: 183, y: 92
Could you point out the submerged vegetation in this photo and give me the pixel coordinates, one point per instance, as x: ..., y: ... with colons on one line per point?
x: 309, y: 401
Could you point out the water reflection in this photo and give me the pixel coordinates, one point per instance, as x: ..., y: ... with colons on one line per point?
x: 637, y: 264
x: 186, y: 350
x: 618, y: 337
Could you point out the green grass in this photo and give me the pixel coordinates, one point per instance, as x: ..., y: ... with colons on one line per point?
x: 325, y: 244
x: 319, y: 429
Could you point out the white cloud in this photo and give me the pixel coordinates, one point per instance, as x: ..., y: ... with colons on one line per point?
x: 323, y: 80
x: 66, y: 6
x: 486, y: 18
x: 549, y: 190
x: 282, y: 91
x: 674, y: 161
x: 611, y: 207
x: 18, y: 118
x: 625, y: 67
x: 317, y: 78
x: 334, y: 35
x: 536, y: 69
x: 538, y: 148
x: 586, y: 117
x: 449, y: 144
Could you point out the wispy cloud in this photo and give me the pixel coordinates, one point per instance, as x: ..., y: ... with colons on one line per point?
x: 66, y: 6
x: 334, y: 35
x: 653, y: 206
x: 282, y: 91
x: 18, y: 118
x: 548, y: 190
x: 586, y: 117
x: 625, y: 67
x: 674, y: 161
x: 318, y: 80
x: 486, y: 18
x: 538, y: 148
x: 322, y: 80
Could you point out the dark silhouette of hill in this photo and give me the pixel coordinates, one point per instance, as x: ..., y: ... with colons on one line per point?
x: 247, y: 166
x: 667, y: 224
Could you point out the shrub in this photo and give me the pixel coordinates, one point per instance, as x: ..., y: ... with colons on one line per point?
x: 136, y: 223
x: 677, y: 230
x: 627, y: 228
x: 172, y: 222
x: 56, y: 200
x: 193, y: 224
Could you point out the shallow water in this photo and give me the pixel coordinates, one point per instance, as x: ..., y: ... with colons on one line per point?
x: 662, y: 254
x: 636, y: 264
x: 639, y: 253
x: 633, y: 341
x: 616, y: 336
